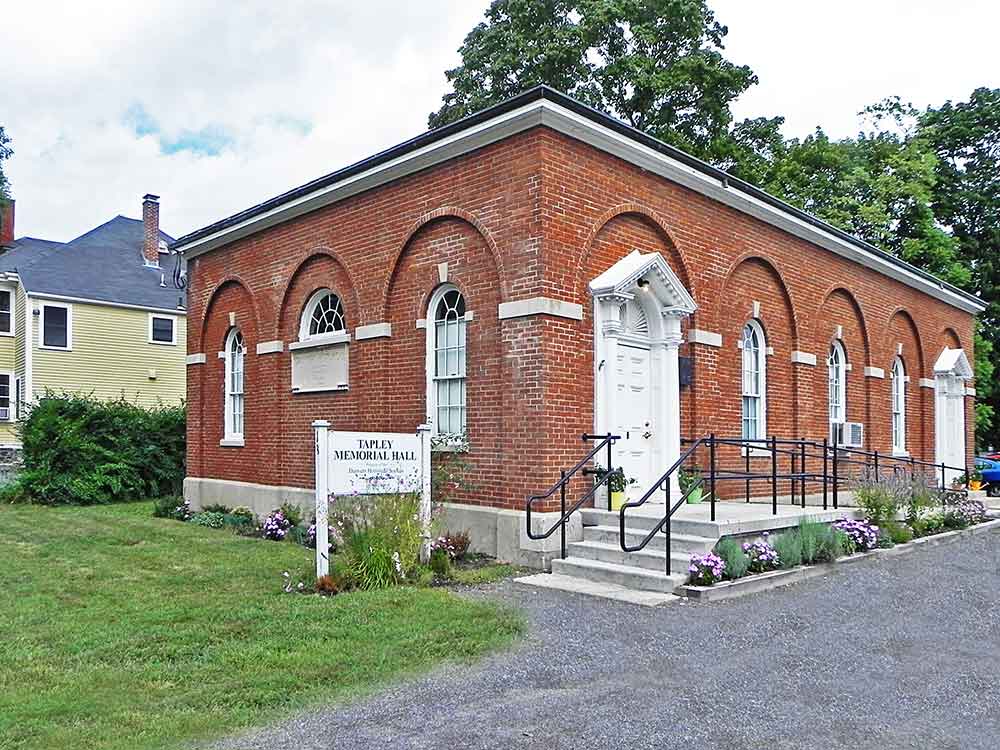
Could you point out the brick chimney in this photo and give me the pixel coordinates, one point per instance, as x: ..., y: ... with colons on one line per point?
x: 6, y: 223
x: 151, y: 229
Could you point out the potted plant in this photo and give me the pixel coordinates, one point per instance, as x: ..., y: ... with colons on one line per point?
x: 617, y: 484
x: 688, y: 479
x: 959, y: 482
x: 976, y: 480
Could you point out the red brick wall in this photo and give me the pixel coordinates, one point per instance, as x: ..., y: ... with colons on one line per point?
x: 540, y: 214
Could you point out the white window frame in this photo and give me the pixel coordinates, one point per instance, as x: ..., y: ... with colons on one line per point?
x: 836, y: 378
x: 10, y: 331
x: 897, y: 395
x: 173, y: 330
x: 431, y: 364
x: 69, y: 326
x: 305, y: 322
x: 759, y: 398
x: 10, y: 395
x: 232, y: 438
x: 18, y: 397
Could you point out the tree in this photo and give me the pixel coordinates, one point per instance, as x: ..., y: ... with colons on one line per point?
x: 656, y: 64
x: 965, y: 137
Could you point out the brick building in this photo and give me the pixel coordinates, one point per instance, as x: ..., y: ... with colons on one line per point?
x: 539, y: 271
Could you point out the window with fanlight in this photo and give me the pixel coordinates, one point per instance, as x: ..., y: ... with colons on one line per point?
x: 897, y: 381
x: 447, y: 366
x: 323, y: 316
x: 235, y: 354
x: 836, y: 365
x: 754, y: 382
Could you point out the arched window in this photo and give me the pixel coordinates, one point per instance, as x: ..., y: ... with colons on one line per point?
x: 837, y: 380
x: 447, y: 366
x: 754, y: 381
x: 235, y: 351
x: 323, y: 315
x: 897, y: 382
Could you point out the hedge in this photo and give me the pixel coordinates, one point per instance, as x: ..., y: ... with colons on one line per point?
x: 78, y: 450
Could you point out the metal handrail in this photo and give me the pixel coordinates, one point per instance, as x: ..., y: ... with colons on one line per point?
x: 606, y: 442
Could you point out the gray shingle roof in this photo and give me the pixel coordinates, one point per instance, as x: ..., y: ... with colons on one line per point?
x: 104, y: 264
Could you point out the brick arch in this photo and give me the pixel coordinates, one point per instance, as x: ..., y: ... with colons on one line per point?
x: 444, y: 212
x: 750, y: 278
x: 321, y: 268
x: 949, y: 337
x: 768, y: 266
x: 901, y: 320
x: 230, y: 281
x: 859, y: 317
x: 646, y: 215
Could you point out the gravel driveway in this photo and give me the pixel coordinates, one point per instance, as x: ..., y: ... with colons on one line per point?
x: 896, y: 653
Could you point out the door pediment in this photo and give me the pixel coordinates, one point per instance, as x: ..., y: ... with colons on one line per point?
x: 953, y: 362
x: 627, y: 274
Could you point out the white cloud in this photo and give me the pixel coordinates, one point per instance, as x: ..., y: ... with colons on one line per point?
x: 297, y: 89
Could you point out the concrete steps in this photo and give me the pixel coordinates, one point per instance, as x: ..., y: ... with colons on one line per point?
x: 635, y: 523
x: 646, y: 559
x: 627, y: 576
x: 678, y: 542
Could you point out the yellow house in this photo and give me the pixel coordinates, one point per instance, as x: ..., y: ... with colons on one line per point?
x: 98, y: 315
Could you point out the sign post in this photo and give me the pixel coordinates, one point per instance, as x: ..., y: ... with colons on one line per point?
x: 370, y: 463
x: 321, y: 428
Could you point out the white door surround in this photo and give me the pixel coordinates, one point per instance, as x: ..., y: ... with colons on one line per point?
x: 951, y: 371
x: 638, y: 306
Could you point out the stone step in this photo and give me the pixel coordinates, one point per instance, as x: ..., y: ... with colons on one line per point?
x: 635, y: 522
x: 613, y: 553
x: 620, y: 575
x: 612, y: 591
x: 678, y: 542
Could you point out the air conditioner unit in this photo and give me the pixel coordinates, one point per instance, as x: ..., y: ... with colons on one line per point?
x: 4, y: 414
x: 852, y: 435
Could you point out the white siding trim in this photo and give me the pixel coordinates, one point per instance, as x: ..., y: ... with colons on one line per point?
x: 803, y: 358
x: 926, y: 383
x: 327, y: 339
x: 64, y: 298
x: 198, y: 358
x: 29, y: 344
x: 708, y: 338
x: 270, y: 347
x: 875, y: 372
x: 373, y: 331
x: 524, y: 308
x: 69, y: 326
x: 173, y: 329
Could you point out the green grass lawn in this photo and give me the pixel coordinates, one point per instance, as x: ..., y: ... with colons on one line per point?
x: 119, y: 630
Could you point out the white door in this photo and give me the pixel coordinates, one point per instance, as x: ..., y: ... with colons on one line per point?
x: 632, y: 416
x: 950, y: 422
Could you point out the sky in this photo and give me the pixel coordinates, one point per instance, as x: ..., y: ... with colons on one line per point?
x: 216, y: 106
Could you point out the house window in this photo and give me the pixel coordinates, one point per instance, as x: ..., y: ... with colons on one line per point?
x: 837, y: 381
x: 323, y: 315
x: 898, y: 387
x: 446, y: 344
x: 5, y: 412
x: 57, y: 326
x: 754, y: 381
x: 235, y: 352
x: 5, y: 313
x: 162, y: 329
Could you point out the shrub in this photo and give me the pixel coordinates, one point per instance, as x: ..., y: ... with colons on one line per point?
x: 953, y: 520
x: 733, y: 556
x: 899, y: 533
x: 291, y: 512
x: 971, y: 511
x: 209, y: 519
x: 391, y: 520
x: 373, y: 564
x: 811, y: 535
x: 921, y: 499
x: 327, y: 586
x: 169, y: 506
x: 242, y: 511
x: 81, y: 451
x: 706, y: 570
x: 441, y: 563
x: 455, y: 545
x: 881, y: 501
x: 863, y: 535
x: 789, y: 548
x: 762, y: 555
x: 835, y: 543
x: 275, y: 527
x: 216, y: 508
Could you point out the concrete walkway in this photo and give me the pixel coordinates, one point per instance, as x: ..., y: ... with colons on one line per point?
x: 898, y: 653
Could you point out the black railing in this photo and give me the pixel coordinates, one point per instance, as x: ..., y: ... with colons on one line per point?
x: 606, y: 442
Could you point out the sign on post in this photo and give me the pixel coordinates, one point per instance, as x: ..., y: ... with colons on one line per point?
x: 370, y: 463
